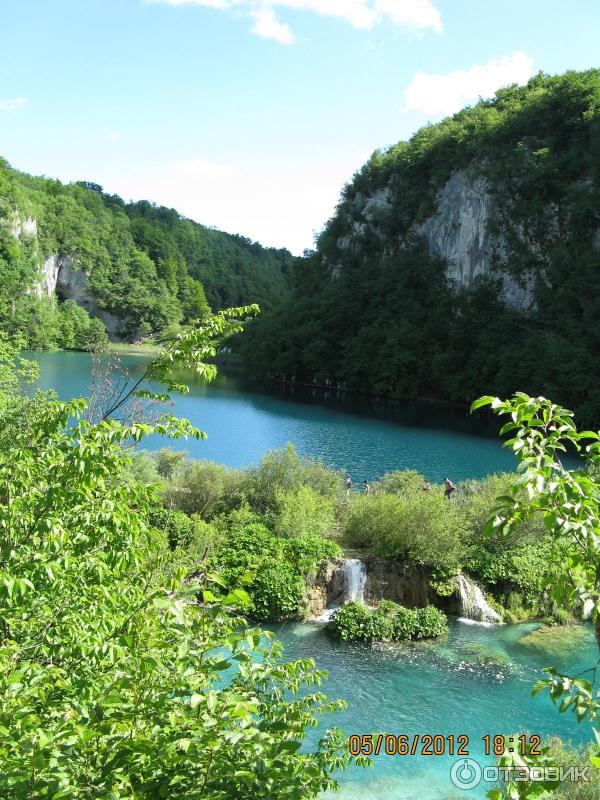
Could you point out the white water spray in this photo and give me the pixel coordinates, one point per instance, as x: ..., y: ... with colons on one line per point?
x: 474, y: 608
x: 355, y: 579
x: 352, y: 576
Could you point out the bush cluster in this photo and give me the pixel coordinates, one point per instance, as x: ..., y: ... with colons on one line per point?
x: 275, y: 567
x: 299, y: 504
x: 389, y: 621
x: 400, y: 521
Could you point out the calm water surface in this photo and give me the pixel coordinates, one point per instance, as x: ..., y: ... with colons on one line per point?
x: 244, y: 420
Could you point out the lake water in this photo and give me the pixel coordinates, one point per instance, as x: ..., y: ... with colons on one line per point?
x: 475, y: 682
x: 367, y: 438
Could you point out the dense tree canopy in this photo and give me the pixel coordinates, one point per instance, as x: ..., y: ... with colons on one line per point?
x: 373, y: 309
x: 147, y: 265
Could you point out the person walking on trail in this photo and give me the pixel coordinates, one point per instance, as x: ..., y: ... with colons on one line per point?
x: 449, y: 487
x: 348, y: 484
x: 366, y: 487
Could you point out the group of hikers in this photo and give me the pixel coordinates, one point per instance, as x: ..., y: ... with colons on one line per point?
x: 449, y: 487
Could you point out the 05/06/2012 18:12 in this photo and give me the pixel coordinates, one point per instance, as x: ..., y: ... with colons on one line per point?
x: 439, y: 745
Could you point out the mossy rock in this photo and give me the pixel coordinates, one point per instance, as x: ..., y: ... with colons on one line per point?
x: 483, y: 655
x: 552, y: 639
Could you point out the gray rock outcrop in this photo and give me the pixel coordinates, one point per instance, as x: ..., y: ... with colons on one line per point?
x: 60, y: 275
x: 465, y: 231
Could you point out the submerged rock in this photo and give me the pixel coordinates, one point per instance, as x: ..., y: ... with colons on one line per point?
x: 552, y: 639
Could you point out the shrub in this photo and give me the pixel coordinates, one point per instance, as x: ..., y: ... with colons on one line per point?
x: 191, y: 538
x: 352, y: 622
x: 204, y: 488
x: 284, y: 471
x: 389, y: 621
x: 303, y: 511
x: 404, y: 622
x: 277, y: 592
x: 278, y: 567
x: 430, y: 622
x: 307, y: 552
x: 141, y: 468
x: 422, y: 527
x: 167, y: 460
x: 560, y: 616
x: 403, y: 481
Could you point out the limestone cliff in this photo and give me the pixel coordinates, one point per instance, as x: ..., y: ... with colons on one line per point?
x: 60, y: 274
x: 460, y: 262
x: 466, y: 230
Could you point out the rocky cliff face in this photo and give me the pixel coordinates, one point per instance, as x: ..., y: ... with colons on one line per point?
x: 59, y: 275
x: 402, y: 582
x: 386, y: 579
x: 465, y: 231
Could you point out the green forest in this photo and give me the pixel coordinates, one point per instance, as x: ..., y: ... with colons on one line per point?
x: 379, y: 315
x: 146, y: 265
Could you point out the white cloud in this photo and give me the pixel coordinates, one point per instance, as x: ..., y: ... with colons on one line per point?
x: 268, y: 26
x: 13, y: 103
x: 437, y: 94
x: 412, y: 15
x: 417, y: 15
x: 113, y: 136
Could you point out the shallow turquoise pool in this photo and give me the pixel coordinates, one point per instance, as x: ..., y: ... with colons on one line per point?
x: 476, y: 682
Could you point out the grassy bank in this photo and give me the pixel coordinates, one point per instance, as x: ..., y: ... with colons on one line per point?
x: 136, y: 348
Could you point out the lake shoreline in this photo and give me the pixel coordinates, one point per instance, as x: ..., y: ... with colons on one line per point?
x: 434, y: 401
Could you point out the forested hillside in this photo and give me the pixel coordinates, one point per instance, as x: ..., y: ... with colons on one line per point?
x: 73, y: 258
x: 467, y: 257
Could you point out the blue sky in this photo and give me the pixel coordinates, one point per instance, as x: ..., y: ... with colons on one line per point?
x: 249, y: 115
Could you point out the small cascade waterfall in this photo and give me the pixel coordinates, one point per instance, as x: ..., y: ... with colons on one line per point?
x: 348, y: 585
x: 355, y: 578
x: 473, y: 605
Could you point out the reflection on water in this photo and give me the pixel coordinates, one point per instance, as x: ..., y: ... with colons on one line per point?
x: 365, y: 437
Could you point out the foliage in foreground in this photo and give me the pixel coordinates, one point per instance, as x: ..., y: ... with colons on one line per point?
x: 389, y: 621
x: 582, y: 784
x: 568, y: 500
x: 122, y: 674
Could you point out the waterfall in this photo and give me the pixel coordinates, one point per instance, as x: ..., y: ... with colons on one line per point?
x: 355, y: 578
x: 348, y: 583
x: 473, y: 605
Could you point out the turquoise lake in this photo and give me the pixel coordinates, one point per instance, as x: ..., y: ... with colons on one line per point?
x: 475, y: 682
x: 365, y: 437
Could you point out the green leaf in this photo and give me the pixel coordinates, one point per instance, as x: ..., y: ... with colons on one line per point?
x: 481, y: 402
